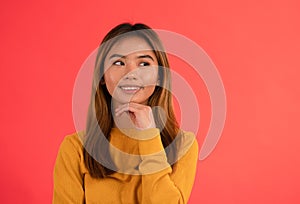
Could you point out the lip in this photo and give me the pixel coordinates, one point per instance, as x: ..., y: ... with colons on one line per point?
x: 130, y: 88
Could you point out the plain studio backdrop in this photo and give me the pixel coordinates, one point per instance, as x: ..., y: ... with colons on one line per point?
x: 254, y: 45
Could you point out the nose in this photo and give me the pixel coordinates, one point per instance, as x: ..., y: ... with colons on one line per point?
x: 130, y: 76
x: 131, y: 71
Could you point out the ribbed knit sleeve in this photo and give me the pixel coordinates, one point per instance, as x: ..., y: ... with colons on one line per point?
x: 168, y: 185
x: 69, y: 172
x: 159, y: 182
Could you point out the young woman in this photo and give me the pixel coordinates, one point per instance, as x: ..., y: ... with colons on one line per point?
x: 132, y: 150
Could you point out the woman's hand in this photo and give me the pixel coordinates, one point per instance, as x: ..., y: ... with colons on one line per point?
x: 141, y: 115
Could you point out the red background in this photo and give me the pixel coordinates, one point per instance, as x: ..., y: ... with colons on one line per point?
x: 254, y: 45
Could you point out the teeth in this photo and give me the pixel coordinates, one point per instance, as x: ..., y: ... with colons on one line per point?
x: 127, y: 88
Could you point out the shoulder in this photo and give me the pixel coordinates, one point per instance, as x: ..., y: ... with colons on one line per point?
x: 70, y: 152
x: 72, y: 145
x: 72, y: 141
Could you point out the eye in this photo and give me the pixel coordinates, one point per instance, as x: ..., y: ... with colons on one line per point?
x: 118, y: 63
x: 143, y: 64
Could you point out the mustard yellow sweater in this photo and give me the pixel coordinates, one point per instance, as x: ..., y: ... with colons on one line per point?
x: 155, y: 182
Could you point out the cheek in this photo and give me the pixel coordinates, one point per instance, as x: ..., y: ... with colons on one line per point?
x: 150, y: 77
x: 111, y: 80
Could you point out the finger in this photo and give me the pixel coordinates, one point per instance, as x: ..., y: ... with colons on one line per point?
x: 126, y: 109
x: 132, y: 104
x: 136, y: 105
x: 118, y: 109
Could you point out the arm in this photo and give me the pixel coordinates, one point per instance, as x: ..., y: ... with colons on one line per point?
x: 168, y: 185
x: 160, y: 183
x: 68, y: 176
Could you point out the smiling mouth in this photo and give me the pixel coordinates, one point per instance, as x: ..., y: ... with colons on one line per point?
x: 130, y: 89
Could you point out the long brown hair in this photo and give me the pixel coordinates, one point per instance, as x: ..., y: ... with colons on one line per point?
x: 99, y: 118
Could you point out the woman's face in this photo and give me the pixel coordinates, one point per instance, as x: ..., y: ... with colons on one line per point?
x: 131, y: 71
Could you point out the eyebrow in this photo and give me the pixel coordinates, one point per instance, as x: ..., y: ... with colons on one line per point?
x: 139, y: 57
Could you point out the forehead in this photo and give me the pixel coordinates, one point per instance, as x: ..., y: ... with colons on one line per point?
x: 128, y: 45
